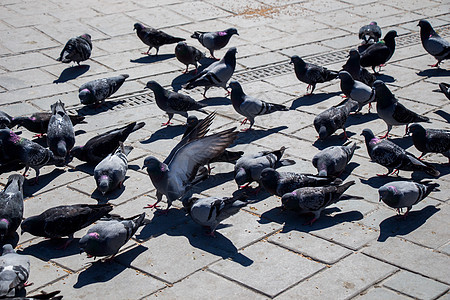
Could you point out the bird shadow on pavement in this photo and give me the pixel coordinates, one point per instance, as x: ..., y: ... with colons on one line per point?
x: 255, y: 134
x: 434, y: 72
x: 48, y: 249
x: 72, y: 73
x: 333, y: 140
x: 385, y: 78
x: 443, y: 114
x: 216, y: 101
x: 112, y: 195
x: 90, y: 110
x: 165, y: 133
x: 309, y: 100
x: 13, y: 240
x: 377, y: 181
x: 397, y: 225
x: 348, y: 170
x: 212, y: 181
x: 148, y: 59
x: 84, y: 167
x: 161, y: 223
x: 183, y: 78
x: 360, y: 118
x: 404, y: 142
x: 30, y: 188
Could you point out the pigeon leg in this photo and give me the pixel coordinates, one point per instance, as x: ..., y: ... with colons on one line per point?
x: 228, y: 92
x: 396, y: 171
x: 204, y: 93
x: 244, y: 186
x: 436, y: 65
x: 28, y: 284
x: 387, y: 133
x: 406, y: 131
x: 385, y: 175
x: 157, y: 50
x: 209, y: 169
x: 311, y: 222
x: 370, y: 106
x: 158, y: 199
x: 196, y: 70
x: 244, y: 121
x: 148, y: 51
x: 344, y: 96
x: 212, y: 234
x: 375, y: 72
x: 36, y: 179
x: 67, y: 243
x: 185, y: 71
x: 345, y: 134
x: 25, y: 172
x: 38, y: 135
x: 168, y: 121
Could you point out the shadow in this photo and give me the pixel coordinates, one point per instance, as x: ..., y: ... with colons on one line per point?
x: 160, y: 223
x: 385, y: 78
x: 85, y: 168
x: 434, y: 72
x: 134, y: 167
x: 404, y: 142
x: 377, y: 181
x: 216, y: 101
x: 165, y: 133
x: 212, y: 181
x: 30, y: 188
x: 360, y: 118
x: 148, y: 59
x: 348, y: 170
x: 80, y: 131
x: 91, y: 110
x: 444, y: 115
x: 397, y: 225
x: 309, y: 100
x: 71, y: 73
x: 333, y: 140
x: 181, y: 79
x: 255, y: 134
x: 111, y: 195
x: 48, y: 249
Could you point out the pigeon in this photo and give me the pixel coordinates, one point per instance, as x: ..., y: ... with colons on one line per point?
x: 393, y: 157
x: 107, y: 237
x: 248, y: 168
x: 430, y: 140
x: 251, y: 107
x: 400, y: 194
x: 14, y: 272
x: 5, y: 120
x: 177, y: 174
x: 379, y: 53
x: 188, y: 55
x: 356, y: 90
x: 370, y: 34
x: 311, y: 73
x: 96, y: 91
x: 314, y: 199
x: 332, y: 160
x: 173, y: 102
x: 214, y: 40
x: 38, y: 122
x: 110, y: 172
x: 327, y: 122
x: 23, y: 151
x: 209, y: 212
x: 216, y: 74
x: 42, y: 295
x: 100, y: 146
x: 445, y: 88
x: 391, y: 111
x: 359, y: 73
x: 60, y: 133
x: 76, y: 49
x: 11, y: 206
x: 433, y: 42
x: 280, y: 183
x: 154, y: 38
x: 64, y: 220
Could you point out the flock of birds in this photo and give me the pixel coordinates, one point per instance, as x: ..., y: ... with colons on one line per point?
x: 189, y: 161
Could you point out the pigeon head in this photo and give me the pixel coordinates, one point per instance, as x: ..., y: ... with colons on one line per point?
x: 89, y: 242
x: 241, y: 176
x: 368, y: 135
x: 230, y: 56
x: 33, y: 225
x: 289, y: 201
x: 86, y: 37
x: 78, y: 152
x: 382, y: 92
x: 192, y: 121
x: 416, y: 129
x: 8, y: 248
x: 346, y: 77
x: 153, y: 85
x: 425, y: 26
x: 323, y: 132
x: 138, y: 26
x: 86, y: 97
x: 154, y: 166
x: 373, y: 23
x: 57, y: 107
x: 4, y: 228
x: 353, y: 53
x: 297, y: 61
x: 15, y: 183
x: 236, y: 89
x: 231, y: 31
x: 269, y: 178
x: 103, y: 184
x: 181, y: 45
x: 389, y: 195
x: 188, y: 203
x: 196, y: 35
x: 391, y: 35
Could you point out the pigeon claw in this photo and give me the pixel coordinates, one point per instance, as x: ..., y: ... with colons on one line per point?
x: 167, y: 123
x: 436, y: 65
x: 311, y: 222
x: 38, y: 135
x: 212, y: 234
x: 244, y: 121
x: 152, y: 205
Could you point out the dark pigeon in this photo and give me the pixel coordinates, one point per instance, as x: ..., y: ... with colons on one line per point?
x: 379, y: 53
x: 405, y: 194
x: 248, y: 168
x: 393, y: 157
x: 173, y: 102
x: 216, y: 74
x: 391, y: 111
x: 14, y: 272
x: 359, y: 73
x: 5, y: 120
x: 76, y: 49
x: 314, y: 199
x: 430, y: 140
x: 332, y: 160
x: 370, y: 34
x: 280, y: 183
x: 107, y: 237
x: 96, y: 91
x: 188, y: 55
x: 100, y: 146
x: 154, y: 38
x: 311, y: 73
x: 38, y: 122
x: 11, y: 206
x: 60, y: 133
x: 327, y: 122
x: 356, y: 90
x: 214, y: 40
x: 251, y: 107
x: 445, y: 88
x: 433, y: 42
x: 64, y: 220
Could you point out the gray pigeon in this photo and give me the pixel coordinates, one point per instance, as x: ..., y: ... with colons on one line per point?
x: 11, y: 206
x: 154, y: 38
x: 332, y: 160
x: 5, y: 120
x: 214, y: 40
x: 110, y: 172
x: 311, y: 73
x: 359, y: 73
x: 38, y: 122
x: 400, y: 194
x: 369, y: 34
x: 433, y: 42
x: 356, y: 90
x: 60, y: 132
x: 209, y: 212
x: 327, y: 122
x: 14, y: 272
x: 393, y: 157
x: 445, y: 88
x: 173, y: 102
x: 248, y: 168
x: 76, y: 49
x: 188, y: 55
x: 280, y: 183
x: 391, y: 111
x: 96, y: 91
x: 379, y: 53
x: 251, y: 107
x: 430, y: 140
x: 216, y: 74
x: 177, y: 174
x: 107, y: 237
x: 314, y: 199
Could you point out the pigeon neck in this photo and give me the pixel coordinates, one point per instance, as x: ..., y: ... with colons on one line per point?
x: 237, y: 97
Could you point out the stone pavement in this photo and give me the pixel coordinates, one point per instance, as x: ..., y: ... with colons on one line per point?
x: 357, y: 249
